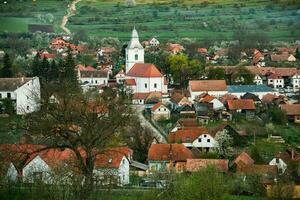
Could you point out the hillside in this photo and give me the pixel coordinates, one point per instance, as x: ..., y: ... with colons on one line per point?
x: 165, y: 19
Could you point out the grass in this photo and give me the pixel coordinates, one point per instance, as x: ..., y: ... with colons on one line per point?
x: 164, y: 19
x: 13, y: 24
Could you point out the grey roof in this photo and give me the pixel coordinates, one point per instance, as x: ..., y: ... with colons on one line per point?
x: 93, y: 74
x: 248, y: 88
x: 11, y: 84
x: 139, y: 165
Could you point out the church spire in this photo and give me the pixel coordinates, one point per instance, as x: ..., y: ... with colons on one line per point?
x: 134, y: 42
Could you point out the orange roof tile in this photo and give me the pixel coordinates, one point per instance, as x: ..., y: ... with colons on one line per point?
x: 130, y: 82
x: 167, y: 152
x: 243, y: 104
x: 245, y: 158
x: 227, y: 97
x: 193, y: 165
x: 208, y: 85
x: 291, y: 109
x: 186, y: 135
x: 156, y: 106
x: 256, y: 169
x: 144, y: 70
x: 269, y: 98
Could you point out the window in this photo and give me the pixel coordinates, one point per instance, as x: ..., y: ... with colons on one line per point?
x: 277, y: 160
x: 0, y: 96
x: 104, y: 81
x: 165, y: 109
x: 96, y: 81
x: 123, y: 161
x: 155, y: 85
x: 110, y: 160
x: 27, y: 108
x: 159, y: 109
x: 27, y: 97
x: 145, y: 85
x: 199, y: 139
x: 204, y: 135
x: 37, y: 176
x: 8, y: 95
x: 136, y: 57
x: 208, y: 140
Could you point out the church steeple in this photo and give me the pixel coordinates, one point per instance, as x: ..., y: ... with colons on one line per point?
x: 134, y: 51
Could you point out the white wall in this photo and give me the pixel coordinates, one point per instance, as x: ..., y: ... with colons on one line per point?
x: 281, y: 164
x: 123, y: 171
x: 258, y: 80
x: 296, y: 82
x: 277, y: 83
x: 140, y: 85
x: 204, y: 141
x: 12, y: 173
x: 259, y: 94
x: 94, y: 81
x: 217, y: 105
x: 130, y: 57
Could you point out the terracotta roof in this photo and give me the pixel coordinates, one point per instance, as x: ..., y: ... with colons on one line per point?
x: 130, y: 82
x: 144, y: 70
x: 139, y: 95
x: 291, y: 109
x: 187, y: 122
x: 11, y: 84
x: 167, y: 152
x: 157, y: 105
x: 83, y: 68
x: 121, y: 72
x: 245, y: 158
x: 243, y: 104
x: 186, y: 135
x: 174, y: 47
x: 269, y: 98
x: 47, y: 55
x: 208, y: 85
x: 176, y: 97
x: 227, y: 97
x: 274, y: 76
x: 198, y: 164
x: 256, y: 169
x: 202, y: 50
x: 257, y: 56
x: 280, y: 57
x: 204, y: 98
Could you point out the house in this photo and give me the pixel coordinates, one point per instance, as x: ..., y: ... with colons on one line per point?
x: 249, y: 95
x: 40, y: 163
x: 245, y: 106
x: 216, y: 88
x: 178, y: 100
x: 185, y: 123
x: 147, y: 77
x: 258, y: 80
x: 271, y: 99
x: 265, y: 170
x: 165, y: 156
x: 243, y: 158
x: 258, y: 58
x: 227, y: 97
x: 193, y: 165
x: 214, y: 103
x: 282, y: 159
x: 93, y: 78
x: 285, y: 56
x: 153, y: 42
x: 295, y: 81
x: 120, y: 76
x: 292, y: 111
x: 104, y: 54
x: 258, y: 90
x: 186, y: 110
x: 275, y: 80
x: 160, y: 111
x: 174, y: 48
x: 24, y: 92
x: 187, y: 136
x: 202, y: 51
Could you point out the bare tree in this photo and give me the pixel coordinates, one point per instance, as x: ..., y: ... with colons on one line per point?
x: 86, y: 123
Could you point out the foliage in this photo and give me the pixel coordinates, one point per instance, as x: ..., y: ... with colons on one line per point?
x: 254, y: 185
x: 255, y: 155
x: 225, y: 142
x: 277, y: 115
x: 6, y: 70
x: 7, y: 106
x: 282, y: 190
x: 242, y: 76
x: 216, y: 73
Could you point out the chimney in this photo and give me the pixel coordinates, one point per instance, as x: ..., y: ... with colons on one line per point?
x: 22, y: 79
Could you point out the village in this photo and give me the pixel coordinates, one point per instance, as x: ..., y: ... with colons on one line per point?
x: 241, y: 119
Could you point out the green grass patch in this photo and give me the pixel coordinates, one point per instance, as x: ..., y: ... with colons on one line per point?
x: 13, y: 24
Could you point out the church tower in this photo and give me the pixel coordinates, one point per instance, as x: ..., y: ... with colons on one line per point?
x: 134, y: 51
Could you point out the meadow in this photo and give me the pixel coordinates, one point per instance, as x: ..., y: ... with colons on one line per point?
x: 164, y: 19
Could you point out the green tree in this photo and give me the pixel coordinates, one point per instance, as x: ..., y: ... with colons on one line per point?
x: 225, y: 142
x: 277, y: 115
x: 68, y: 73
x: 255, y: 155
x: 7, y: 106
x: 297, y: 54
x: 36, y: 66
x: 216, y: 73
x: 54, y: 71
x: 6, y: 70
x: 242, y: 76
x: 45, y: 69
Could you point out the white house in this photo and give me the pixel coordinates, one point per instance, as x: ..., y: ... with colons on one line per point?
x: 147, y: 78
x: 160, y: 111
x: 120, y: 76
x: 276, y: 81
x: 281, y: 165
x: 153, y: 42
x: 207, y: 99
x: 295, y: 80
x: 257, y: 80
x: 24, y: 92
x: 205, y: 142
x: 216, y: 88
x: 93, y: 78
x: 258, y: 90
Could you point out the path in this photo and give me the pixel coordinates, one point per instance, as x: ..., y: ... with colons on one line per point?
x: 70, y: 12
x: 145, y: 123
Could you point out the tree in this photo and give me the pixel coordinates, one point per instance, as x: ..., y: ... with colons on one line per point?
x: 225, y: 142
x: 255, y: 155
x: 297, y: 54
x: 54, y: 71
x: 68, y: 73
x: 36, y: 66
x: 6, y: 70
x: 183, y: 69
x: 80, y: 36
x: 216, y: 73
x: 282, y: 189
x: 45, y: 70
x: 130, y: 3
x: 87, y: 124
x: 277, y: 115
x: 242, y: 76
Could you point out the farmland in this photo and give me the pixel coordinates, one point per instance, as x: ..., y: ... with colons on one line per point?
x: 167, y: 20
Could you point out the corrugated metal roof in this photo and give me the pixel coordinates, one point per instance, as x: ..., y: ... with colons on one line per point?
x: 249, y: 88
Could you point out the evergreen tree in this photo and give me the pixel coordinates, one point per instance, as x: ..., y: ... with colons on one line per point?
x: 6, y: 71
x: 297, y: 55
x: 68, y: 72
x: 36, y: 66
x: 54, y: 71
x: 45, y: 69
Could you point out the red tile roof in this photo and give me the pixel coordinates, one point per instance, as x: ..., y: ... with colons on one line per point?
x: 241, y: 104
x: 291, y: 109
x: 227, y: 97
x: 144, y: 70
x: 208, y: 85
x: 169, y: 152
x: 139, y: 95
x: 274, y: 76
x: 245, y: 158
x: 193, y: 165
x: 269, y: 98
x: 202, y: 50
x: 130, y: 82
x: 156, y: 106
x: 186, y: 135
x: 187, y: 122
x: 256, y: 169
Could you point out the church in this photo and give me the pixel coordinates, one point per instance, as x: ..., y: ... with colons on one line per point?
x: 144, y: 79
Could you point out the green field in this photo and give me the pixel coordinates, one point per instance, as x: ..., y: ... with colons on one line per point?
x: 165, y: 19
